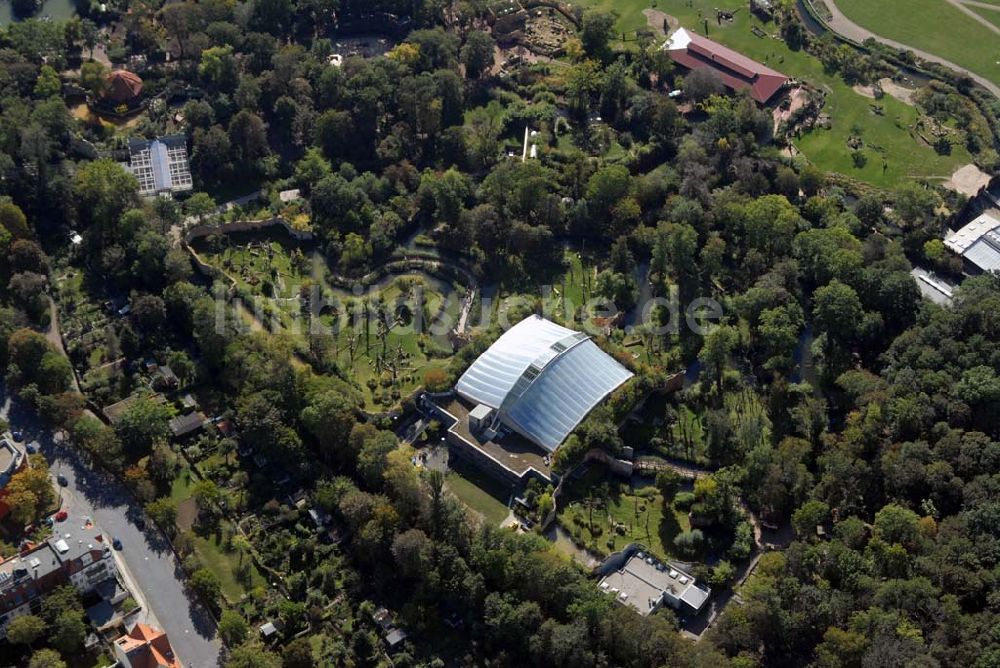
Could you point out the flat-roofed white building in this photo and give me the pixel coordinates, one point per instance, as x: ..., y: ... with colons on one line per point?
x: 978, y: 242
x: 541, y: 380
x: 644, y: 584
x: 160, y: 165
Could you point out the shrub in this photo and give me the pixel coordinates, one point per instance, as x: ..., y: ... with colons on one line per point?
x: 688, y: 543
x: 684, y: 500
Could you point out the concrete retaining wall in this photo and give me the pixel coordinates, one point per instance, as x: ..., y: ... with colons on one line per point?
x: 615, y: 465
x: 205, y: 230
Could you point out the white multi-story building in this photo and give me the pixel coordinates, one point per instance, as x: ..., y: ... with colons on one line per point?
x: 78, y: 554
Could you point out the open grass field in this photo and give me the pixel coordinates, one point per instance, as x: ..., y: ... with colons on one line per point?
x: 210, y: 548
x: 990, y: 15
x: 935, y: 26
x: 905, y: 156
x: 478, y: 491
x: 598, y: 502
x: 224, y: 564
x: 630, y: 16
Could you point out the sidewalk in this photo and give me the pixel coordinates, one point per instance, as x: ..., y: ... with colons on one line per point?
x: 145, y: 615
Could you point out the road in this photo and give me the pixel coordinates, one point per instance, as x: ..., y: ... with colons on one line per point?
x: 54, y: 335
x: 147, y: 556
x: 845, y: 27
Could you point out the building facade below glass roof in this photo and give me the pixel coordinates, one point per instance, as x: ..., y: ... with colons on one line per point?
x: 543, y: 379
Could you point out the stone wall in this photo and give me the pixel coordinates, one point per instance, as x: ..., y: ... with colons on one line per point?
x: 205, y: 230
x: 615, y: 465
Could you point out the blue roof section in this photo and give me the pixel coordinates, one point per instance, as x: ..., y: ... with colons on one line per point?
x: 985, y: 253
x: 567, y: 390
x: 495, y: 372
x: 161, y: 165
x: 543, y: 378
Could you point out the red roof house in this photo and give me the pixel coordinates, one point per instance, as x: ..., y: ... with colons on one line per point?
x: 145, y: 647
x: 737, y: 72
x: 122, y: 86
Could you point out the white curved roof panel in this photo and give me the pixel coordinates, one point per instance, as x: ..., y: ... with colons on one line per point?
x: 543, y: 379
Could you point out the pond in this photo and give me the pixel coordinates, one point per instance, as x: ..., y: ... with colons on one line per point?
x: 56, y: 10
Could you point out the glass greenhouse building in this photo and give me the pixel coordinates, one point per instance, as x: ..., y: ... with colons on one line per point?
x: 542, y: 380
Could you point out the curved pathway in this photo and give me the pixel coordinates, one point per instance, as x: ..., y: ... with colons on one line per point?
x: 840, y: 24
x: 960, y: 6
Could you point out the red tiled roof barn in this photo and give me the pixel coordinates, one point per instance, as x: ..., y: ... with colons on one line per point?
x: 736, y: 70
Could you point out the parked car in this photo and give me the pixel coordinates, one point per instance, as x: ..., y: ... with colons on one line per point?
x: 116, y: 543
x: 61, y: 479
x: 18, y: 436
x: 61, y: 516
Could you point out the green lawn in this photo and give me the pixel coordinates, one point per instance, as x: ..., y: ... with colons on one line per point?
x: 211, y: 550
x: 991, y: 15
x: 215, y: 558
x: 934, y: 26
x: 180, y: 489
x: 574, y: 287
x: 638, y: 511
x: 479, y: 492
x: 630, y: 16
x: 887, y: 135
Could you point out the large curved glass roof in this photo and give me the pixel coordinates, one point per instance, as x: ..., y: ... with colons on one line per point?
x: 543, y: 379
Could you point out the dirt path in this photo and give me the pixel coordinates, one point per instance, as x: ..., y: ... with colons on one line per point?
x: 657, y: 20
x: 54, y: 335
x: 890, y: 88
x: 973, y: 15
x: 967, y: 180
x: 982, y: 5
x: 840, y: 24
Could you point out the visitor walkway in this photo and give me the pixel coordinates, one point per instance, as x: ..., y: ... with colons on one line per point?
x: 845, y: 27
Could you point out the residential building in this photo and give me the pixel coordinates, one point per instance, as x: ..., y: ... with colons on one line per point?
x: 145, y: 647
x: 644, y: 584
x: 268, y: 630
x: 978, y: 242
x: 160, y: 165
x: 164, y: 378
x: 737, y: 72
x: 393, y: 635
x: 185, y: 425
x: 81, y: 557
x: 115, y: 412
